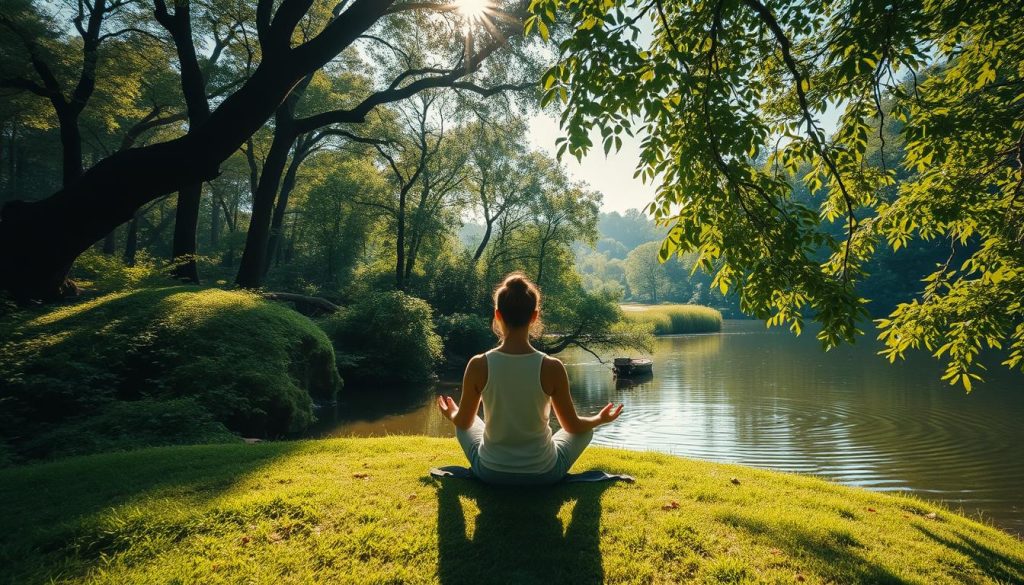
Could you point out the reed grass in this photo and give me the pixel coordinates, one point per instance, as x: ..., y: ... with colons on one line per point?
x: 675, y: 319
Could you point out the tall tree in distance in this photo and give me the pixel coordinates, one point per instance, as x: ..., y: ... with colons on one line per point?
x: 34, y: 43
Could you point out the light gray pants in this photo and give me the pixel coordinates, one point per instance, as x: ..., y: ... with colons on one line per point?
x: 568, y: 448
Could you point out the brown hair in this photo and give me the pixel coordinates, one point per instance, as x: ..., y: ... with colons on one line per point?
x: 516, y: 298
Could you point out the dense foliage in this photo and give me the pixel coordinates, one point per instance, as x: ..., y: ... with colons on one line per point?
x: 464, y: 336
x: 729, y: 97
x: 386, y: 337
x: 254, y: 366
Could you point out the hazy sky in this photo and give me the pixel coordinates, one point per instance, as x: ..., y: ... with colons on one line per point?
x: 612, y: 176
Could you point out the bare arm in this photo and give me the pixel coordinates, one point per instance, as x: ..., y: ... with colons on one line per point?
x: 555, y: 381
x: 473, y: 382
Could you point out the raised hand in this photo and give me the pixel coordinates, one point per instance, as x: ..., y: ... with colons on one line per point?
x: 609, y: 413
x: 447, y: 406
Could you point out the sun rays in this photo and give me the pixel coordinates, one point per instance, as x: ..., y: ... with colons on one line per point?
x: 477, y: 14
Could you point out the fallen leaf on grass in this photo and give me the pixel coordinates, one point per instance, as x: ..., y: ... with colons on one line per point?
x: 245, y: 540
x: 275, y: 537
x: 412, y: 496
x: 800, y: 578
x: 671, y: 505
x: 872, y: 510
x: 361, y: 475
x: 735, y: 481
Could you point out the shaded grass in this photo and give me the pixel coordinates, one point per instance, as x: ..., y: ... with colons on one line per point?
x: 365, y: 511
x: 675, y: 319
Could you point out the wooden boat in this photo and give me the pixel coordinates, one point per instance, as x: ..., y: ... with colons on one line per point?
x: 631, y: 367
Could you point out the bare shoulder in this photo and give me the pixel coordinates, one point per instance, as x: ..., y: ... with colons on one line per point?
x: 551, y: 366
x: 477, y: 364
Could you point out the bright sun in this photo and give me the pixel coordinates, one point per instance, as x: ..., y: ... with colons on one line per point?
x: 474, y: 10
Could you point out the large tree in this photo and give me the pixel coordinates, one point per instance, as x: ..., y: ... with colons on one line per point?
x: 729, y: 98
x: 39, y: 240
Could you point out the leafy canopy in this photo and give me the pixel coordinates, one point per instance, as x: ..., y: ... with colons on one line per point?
x: 728, y: 97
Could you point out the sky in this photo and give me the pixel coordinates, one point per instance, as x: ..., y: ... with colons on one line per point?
x: 611, y: 175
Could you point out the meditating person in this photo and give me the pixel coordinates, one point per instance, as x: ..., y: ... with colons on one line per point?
x: 519, y: 386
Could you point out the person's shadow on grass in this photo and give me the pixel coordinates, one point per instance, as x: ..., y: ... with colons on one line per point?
x: 535, y: 534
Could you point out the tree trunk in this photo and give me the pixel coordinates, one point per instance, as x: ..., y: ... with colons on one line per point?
x: 276, y: 232
x: 186, y: 222
x: 110, y: 243
x: 40, y: 240
x: 131, y: 242
x: 483, y: 243
x: 71, y: 146
x: 400, y: 242
x: 254, y: 257
x: 214, y: 220
x: 540, y: 261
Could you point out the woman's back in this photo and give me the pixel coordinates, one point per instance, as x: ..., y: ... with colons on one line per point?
x: 517, y: 437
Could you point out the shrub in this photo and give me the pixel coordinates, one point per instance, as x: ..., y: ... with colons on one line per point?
x: 109, y: 273
x: 252, y: 364
x: 464, y: 335
x: 676, y: 319
x: 385, y: 337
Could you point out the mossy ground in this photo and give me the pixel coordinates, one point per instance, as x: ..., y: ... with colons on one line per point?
x: 250, y: 363
x: 366, y: 511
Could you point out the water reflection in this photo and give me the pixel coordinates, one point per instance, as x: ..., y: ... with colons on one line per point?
x: 767, y: 399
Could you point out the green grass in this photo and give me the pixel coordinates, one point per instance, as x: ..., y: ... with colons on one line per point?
x: 675, y: 319
x: 365, y: 511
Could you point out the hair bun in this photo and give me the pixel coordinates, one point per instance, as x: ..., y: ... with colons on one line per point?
x: 517, y: 282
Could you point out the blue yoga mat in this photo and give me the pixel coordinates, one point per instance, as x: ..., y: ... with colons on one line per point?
x: 587, y: 476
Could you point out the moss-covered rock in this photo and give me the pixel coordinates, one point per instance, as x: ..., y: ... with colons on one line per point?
x: 254, y: 365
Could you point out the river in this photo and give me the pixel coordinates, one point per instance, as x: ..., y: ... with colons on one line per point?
x: 768, y: 399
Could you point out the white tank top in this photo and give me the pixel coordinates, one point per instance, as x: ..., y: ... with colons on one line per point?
x: 517, y: 438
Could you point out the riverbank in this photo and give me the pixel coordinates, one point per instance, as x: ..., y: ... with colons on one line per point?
x: 365, y: 510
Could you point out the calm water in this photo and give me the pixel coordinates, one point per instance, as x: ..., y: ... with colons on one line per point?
x: 770, y: 400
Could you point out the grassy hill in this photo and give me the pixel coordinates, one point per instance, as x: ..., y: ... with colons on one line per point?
x: 366, y: 511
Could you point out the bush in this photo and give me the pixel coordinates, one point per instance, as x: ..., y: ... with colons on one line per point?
x: 385, y: 337
x: 109, y: 273
x: 464, y: 335
x: 252, y: 364
x: 675, y: 319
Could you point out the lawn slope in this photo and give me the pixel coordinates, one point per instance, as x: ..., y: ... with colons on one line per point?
x: 365, y: 511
